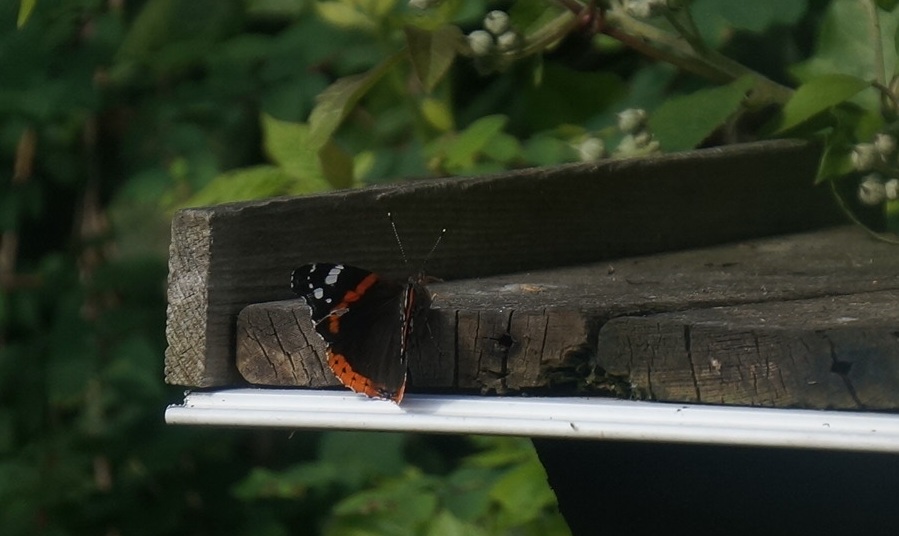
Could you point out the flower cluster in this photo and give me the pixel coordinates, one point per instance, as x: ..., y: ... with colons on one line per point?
x: 497, y: 35
x: 878, y: 160
x: 637, y: 139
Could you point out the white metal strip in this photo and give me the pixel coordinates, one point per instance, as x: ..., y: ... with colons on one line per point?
x: 584, y: 418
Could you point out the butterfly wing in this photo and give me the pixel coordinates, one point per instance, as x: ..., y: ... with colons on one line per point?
x: 361, y: 318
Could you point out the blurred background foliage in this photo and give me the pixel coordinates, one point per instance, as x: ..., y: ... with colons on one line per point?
x: 115, y: 113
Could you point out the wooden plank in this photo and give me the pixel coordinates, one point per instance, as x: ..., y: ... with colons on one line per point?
x: 645, y: 326
x: 226, y: 257
x: 837, y: 352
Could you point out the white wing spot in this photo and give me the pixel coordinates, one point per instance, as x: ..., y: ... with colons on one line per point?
x: 332, y: 276
x: 318, y: 293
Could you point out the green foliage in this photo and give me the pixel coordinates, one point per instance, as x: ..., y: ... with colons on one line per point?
x: 819, y: 95
x: 683, y: 122
x: 115, y: 114
x: 499, y: 489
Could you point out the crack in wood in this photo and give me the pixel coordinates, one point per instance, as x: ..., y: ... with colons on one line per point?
x: 288, y: 355
x: 310, y: 344
x: 688, y: 346
x: 841, y: 369
x: 262, y: 349
x: 456, y: 349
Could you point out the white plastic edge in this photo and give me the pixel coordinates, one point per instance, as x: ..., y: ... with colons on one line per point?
x: 575, y: 418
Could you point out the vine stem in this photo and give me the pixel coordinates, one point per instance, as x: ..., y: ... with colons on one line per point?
x: 851, y: 215
x: 677, y: 50
x: 876, y: 40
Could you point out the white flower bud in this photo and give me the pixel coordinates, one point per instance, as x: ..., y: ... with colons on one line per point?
x: 871, y: 191
x: 508, y: 41
x: 631, y: 120
x: 891, y: 189
x: 864, y: 157
x: 627, y: 145
x: 496, y: 22
x: 591, y: 149
x: 481, y: 42
x: 645, y: 9
x: 642, y: 138
x: 885, y: 144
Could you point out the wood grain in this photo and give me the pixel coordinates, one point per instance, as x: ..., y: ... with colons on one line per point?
x: 807, y: 320
x: 228, y: 256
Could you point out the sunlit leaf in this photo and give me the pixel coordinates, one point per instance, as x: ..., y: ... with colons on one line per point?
x: 25, y: 9
x: 256, y: 182
x: 334, y: 103
x: 817, y: 95
x: 437, y: 113
x: 288, y: 145
x: 462, y: 151
x: 445, y: 524
x: 344, y: 14
x: 523, y: 493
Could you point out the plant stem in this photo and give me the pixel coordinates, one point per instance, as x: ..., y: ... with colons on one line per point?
x: 674, y: 49
x: 876, y: 40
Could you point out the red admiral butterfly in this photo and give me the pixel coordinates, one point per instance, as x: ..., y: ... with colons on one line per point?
x: 366, y: 321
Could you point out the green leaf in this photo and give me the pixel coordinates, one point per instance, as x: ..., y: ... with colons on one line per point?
x: 887, y: 5
x: 337, y: 166
x: 682, y: 122
x: 406, y: 501
x: 432, y: 53
x: 468, y: 492
x: 382, y: 456
x: 847, y: 125
x: 255, y: 182
x: 503, y: 148
x: 462, y: 152
x: 445, y: 524
x: 844, y: 43
x: 523, y: 493
x: 288, y: 145
x: 818, y: 95
x: 716, y: 19
x: 25, y: 9
x: 291, y: 483
x: 545, y: 150
x: 334, y: 103
x: 891, y: 213
x: 344, y: 14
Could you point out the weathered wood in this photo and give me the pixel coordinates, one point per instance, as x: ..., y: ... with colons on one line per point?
x: 664, y: 327
x: 838, y: 352
x: 226, y: 257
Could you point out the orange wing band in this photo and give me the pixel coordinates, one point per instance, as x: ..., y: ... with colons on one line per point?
x: 348, y: 298
x: 360, y: 384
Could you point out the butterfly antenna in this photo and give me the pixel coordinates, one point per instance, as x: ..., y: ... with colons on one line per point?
x: 433, y: 248
x: 397, y: 236
x: 403, y: 251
